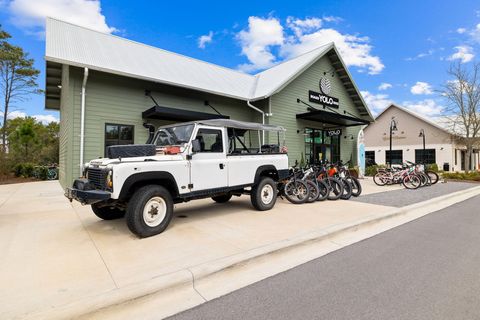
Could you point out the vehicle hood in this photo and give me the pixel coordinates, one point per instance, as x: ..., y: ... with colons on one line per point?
x: 104, y: 162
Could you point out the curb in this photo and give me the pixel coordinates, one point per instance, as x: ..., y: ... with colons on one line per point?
x: 187, y: 277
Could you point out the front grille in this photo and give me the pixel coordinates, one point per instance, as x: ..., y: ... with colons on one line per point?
x: 97, y: 177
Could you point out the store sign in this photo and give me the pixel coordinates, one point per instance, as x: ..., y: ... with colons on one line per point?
x: 333, y: 133
x: 323, y: 99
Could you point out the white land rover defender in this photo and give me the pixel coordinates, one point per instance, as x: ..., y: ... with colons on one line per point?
x: 215, y: 158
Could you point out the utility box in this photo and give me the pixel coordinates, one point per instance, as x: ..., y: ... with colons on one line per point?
x: 446, y: 166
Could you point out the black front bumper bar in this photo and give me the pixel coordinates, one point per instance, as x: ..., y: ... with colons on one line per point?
x: 88, y: 196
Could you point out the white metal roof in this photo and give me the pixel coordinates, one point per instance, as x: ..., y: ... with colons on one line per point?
x: 70, y: 44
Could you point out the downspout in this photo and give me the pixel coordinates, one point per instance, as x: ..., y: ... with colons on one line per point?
x: 82, y: 119
x: 263, y: 118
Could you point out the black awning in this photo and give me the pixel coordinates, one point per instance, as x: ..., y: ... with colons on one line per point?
x: 173, y: 114
x: 332, y: 119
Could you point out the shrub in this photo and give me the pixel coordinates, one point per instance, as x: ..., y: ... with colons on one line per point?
x: 472, y: 175
x: 432, y: 167
x: 371, y: 170
x: 28, y: 169
x: 18, y: 169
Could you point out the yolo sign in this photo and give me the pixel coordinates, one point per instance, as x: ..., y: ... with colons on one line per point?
x: 323, y: 99
x: 333, y: 133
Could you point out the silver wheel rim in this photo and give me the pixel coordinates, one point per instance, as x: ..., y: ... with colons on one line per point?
x: 267, y: 194
x: 154, y: 211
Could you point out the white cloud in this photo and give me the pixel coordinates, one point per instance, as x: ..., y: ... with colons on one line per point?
x: 384, y: 86
x: 44, y: 118
x: 422, y: 55
x: 30, y: 15
x: 475, y: 33
x: 376, y: 102
x: 205, y: 39
x: 421, y: 88
x: 464, y: 54
x: 300, y: 26
x: 266, y: 42
x: 354, y: 50
x: 257, y: 41
x: 427, y: 107
x: 461, y: 30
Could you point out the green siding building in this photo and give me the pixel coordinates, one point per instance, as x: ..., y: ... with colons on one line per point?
x: 109, y: 82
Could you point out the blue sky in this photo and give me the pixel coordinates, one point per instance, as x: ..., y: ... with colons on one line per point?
x: 397, y: 51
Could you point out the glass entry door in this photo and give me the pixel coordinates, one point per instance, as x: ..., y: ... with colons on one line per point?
x: 320, y: 147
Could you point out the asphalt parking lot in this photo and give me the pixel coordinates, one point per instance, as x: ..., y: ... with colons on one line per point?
x: 404, y: 197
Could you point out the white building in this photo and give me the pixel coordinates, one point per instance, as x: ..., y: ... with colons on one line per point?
x: 441, y: 146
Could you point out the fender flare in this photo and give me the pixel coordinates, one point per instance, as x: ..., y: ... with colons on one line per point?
x: 148, y: 176
x: 261, y: 169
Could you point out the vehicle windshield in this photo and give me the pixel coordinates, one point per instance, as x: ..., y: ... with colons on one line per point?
x: 173, y: 136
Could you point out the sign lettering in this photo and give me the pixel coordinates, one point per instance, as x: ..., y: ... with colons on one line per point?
x: 323, y: 99
x: 334, y: 133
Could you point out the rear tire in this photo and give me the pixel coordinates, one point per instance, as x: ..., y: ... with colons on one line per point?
x: 323, y: 192
x: 335, y: 187
x: 313, y: 191
x: 149, y: 211
x: 264, y: 194
x: 433, y: 176
x: 108, y: 213
x: 347, y: 189
x: 223, y: 198
x: 356, y: 186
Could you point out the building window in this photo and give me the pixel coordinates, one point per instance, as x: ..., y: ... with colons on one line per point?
x: 397, y: 156
x: 427, y: 158
x: 210, y: 140
x: 118, y: 134
x: 369, y: 158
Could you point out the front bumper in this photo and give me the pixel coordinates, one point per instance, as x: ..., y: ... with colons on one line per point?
x: 83, y: 193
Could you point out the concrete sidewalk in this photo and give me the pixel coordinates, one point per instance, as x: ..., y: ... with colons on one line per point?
x: 59, y: 260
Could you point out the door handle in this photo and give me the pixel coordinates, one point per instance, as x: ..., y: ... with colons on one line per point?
x: 221, y: 165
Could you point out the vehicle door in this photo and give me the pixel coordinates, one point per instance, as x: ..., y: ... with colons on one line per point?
x: 208, y: 168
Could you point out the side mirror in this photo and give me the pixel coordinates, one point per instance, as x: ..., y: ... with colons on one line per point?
x: 196, y: 146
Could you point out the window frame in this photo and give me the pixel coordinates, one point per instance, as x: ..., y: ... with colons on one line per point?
x: 221, y: 136
x: 419, y: 157
x: 388, y: 156
x: 118, y: 140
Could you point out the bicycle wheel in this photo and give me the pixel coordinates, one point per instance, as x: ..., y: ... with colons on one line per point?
x: 52, y: 174
x: 335, y: 187
x: 296, y: 191
x: 313, y: 191
x: 424, y: 179
x: 323, y: 190
x: 411, y: 181
x: 347, y: 189
x: 380, y: 179
x: 433, y: 176
x: 356, y: 186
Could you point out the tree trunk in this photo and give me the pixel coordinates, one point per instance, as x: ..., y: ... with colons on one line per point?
x: 468, y: 159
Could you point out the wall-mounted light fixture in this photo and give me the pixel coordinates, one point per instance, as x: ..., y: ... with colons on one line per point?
x: 331, y: 72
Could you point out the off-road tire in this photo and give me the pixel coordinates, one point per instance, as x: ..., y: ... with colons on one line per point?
x: 135, y: 210
x: 323, y: 192
x: 108, y: 213
x: 347, y: 189
x: 314, y: 192
x: 356, y: 186
x: 259, y: 192
x: 223, y: 198
x: 293, y: 198
x: 336, y: 188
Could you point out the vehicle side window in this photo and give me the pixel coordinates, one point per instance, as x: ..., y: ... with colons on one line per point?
x: 210, y: 140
